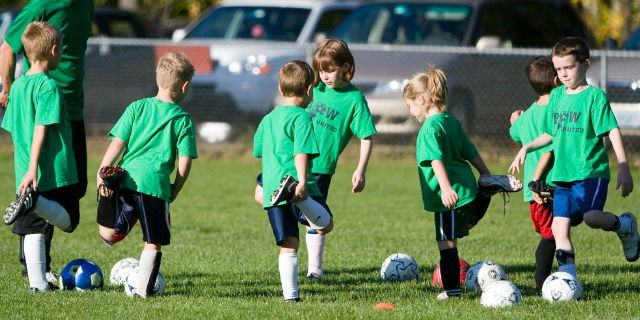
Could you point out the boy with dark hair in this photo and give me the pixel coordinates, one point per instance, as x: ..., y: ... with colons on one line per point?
x: 577, y: 120
x: 525, y: 127
x: 45, y: 167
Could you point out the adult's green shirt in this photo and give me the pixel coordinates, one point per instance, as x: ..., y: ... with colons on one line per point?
x: 37, y: 100
x: 442, y: 138
x: 578, y: 122
x: 155, y: 133
x: 282, y: 134
x: 525, y: 129
x: 73, y: 18
x: 337, y: 115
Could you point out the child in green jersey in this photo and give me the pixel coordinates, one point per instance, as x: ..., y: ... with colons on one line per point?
x: 525, y: 127
x: 151, y: 135
x: 449, y: 188
x: 286, y: 143
x: 577, y: 119
x: 45, y: 167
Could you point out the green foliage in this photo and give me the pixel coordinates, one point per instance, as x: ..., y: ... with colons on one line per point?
x: 614, y: 19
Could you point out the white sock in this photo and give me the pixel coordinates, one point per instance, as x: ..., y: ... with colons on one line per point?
x: 35, y: 259
x: 569, y: 268
x: 315, y: 248
x: 288, y: 266
x: 315, y: 213
x: 149, y: 268
x: 53, y: 212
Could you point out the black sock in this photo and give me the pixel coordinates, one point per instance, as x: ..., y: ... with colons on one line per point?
x: 481, y: 205
x: 565, y: 257
x: 544, y: 259
x: 614, y: 226
x: 450, y: 271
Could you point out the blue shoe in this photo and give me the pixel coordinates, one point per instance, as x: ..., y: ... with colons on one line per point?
x: 630, y: 238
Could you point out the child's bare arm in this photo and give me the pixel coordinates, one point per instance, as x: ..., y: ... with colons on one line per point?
x: 113, y: 152
x: 7, y: 71
x: 479, y: 164
x: 449, y: 197
x: 624, y: 176
x: 542, y: 141
x: 184, y: 168
x: 358, y: 178
x: 301, y: 161
x: 30, y: 179
x: 515, y: 115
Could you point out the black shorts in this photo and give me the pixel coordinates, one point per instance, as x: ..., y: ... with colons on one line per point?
x: 79, y: 144
x: 122, y: 211
x: 284, y: 220
x: 66, y: 196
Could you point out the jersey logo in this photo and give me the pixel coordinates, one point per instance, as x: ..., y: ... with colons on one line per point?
x: 321, y: 109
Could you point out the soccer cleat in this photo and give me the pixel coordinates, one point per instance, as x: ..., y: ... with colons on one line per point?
x: 25, y: 203
x: 492, y: 184
x: 314, y: 276
x: 629, y: 238
x: 285, y: 191
x: 52, y: 278
x: 293, y: 300
x: 444, y: 295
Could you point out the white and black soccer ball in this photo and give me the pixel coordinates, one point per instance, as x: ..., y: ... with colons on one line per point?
x: 89, y: 277
x: 482, y: 273
x: 399, y: 267
x: 561, y: 286
x: 121, y: 270
x: 502, y: 293
x: 131, y: 284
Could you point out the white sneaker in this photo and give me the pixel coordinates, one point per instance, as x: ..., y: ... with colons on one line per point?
x: 630, y: 238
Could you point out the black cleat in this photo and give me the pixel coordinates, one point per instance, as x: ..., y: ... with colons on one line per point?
x: 293, y: 300
x: 285, y: 191
x: 23, y: 205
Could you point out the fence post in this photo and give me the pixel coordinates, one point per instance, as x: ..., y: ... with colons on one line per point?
x: 603, y: 69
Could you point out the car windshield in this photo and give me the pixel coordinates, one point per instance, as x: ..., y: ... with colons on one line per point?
x: 266, y: 23
x: 634, y: 42
x: 406, y: 23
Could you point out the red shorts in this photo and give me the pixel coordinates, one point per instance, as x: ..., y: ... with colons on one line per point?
x: 542, y: 216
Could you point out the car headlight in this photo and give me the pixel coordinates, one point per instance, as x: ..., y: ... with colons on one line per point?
x: 390, y: 87
x: 253, y: 64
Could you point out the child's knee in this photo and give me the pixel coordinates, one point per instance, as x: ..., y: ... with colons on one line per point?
x: 326, y: 229
x: 107, y: 234
x: 593, y: 218
x: 259, y: 195
x: 289, y: 245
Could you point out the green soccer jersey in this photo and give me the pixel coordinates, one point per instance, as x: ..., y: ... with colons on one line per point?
x: 337, y: 115
x: 73, y: 18
x: 155, y: 133
x: 283, y: 133
x: 37, y: 100
x: 442, y: 138
x: 577, y: 123
x: 525, y: 129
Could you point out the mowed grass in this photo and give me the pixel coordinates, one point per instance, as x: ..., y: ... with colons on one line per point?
x: 222, y: 262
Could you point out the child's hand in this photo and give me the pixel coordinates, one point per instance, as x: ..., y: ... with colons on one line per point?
x: 358, y: 182
x: 537, y: 198
x: 30, y: 179
x: 449, y: 198
x: 301, y: 192
x: 624, y: 180
x: 102, y: 188
x: 515, y: 115
x: 519, y: 160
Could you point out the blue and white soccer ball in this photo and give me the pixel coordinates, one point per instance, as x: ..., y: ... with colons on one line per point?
x: 497, y: 294
x: 121, y: 270
x: 399, y: 267
x: 89, y: 277
x: 482, y: 273
x: 131, y: 283
x: 561, y: 286
x: 68, y: 274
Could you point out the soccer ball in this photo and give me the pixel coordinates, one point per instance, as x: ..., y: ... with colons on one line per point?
x: 437, y: 278
x: 483, y: 272
x: 88, y: 277
x: 500, y: 293
x: 399, y: 267
x: 131, y: 283
x: 68, y: 274
x: 561, y: 286
x: 121, y: 270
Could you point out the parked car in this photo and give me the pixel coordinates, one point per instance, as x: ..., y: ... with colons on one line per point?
x: 249, y: 42
x: 390, y: 41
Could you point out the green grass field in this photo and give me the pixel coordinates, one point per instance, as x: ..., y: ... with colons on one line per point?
x: 222, y: 262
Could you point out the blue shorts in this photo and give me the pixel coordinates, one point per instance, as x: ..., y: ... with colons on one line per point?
x: 573, y: 199
x: 322, y: 180
x: 284, y: 220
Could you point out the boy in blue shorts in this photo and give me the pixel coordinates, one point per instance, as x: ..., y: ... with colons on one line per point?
x: 151, y: 135
x: 45, y: 166
x: 577, y: 119
x: 286, y: 143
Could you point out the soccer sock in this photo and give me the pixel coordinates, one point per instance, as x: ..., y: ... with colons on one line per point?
x: 315, y: 248
x: 149, y: 268
x: 288, y: 266
x: 315, y: 213
x: 482, y: 204
x: 566, y: 262
x: 620, y: 226
x: 35, y: 258
x: 544, y: 259
x: 450, y: 271
x: 53, y: 212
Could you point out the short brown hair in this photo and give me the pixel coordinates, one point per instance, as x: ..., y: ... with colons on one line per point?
x: 330, y: 55
x: 294, y: 78
x: 432, y: 85
x: 38, y: 38
x: 541, y: 75
x: 173, y: 70
x: 571, y: 46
